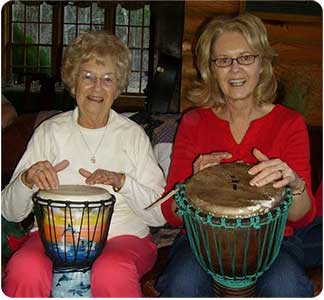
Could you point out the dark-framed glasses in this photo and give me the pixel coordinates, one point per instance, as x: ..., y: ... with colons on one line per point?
x: 88, y: 78
x: 223, y: 62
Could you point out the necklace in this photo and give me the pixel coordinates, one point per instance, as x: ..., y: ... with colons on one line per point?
x: 93, y: 154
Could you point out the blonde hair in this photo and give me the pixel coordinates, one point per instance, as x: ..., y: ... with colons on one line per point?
x: 205, y: 91
x: 96, y: 45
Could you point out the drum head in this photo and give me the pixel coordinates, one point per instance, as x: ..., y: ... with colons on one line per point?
x: 77, y: 193
x: 224, y: 191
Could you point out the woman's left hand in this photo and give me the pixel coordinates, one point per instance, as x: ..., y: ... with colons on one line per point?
x: 99, y: 176
x: 274, y: 171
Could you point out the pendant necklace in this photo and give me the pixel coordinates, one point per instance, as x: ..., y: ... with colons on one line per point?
x: 93, y: 154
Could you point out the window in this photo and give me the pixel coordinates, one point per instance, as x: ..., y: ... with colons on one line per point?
x: 78, y: 19
x: 133, y: 28
x: 40, y: 31
x: 31, y: 40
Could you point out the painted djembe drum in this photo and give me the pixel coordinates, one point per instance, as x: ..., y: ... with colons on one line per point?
x: 234, y: 230
x: 73, y: 223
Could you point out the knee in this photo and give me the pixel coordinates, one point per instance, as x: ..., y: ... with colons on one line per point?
x: 26, y: 278
x: 284, y: 279
x: 116, y: 271
x: 33, y: 268
x: 286, y: 287
x: 185, y: 278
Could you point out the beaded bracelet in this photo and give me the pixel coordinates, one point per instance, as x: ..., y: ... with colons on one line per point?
x: 302, y: 191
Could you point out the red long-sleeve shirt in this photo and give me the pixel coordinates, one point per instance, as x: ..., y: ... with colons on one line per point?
x: 282, y: 133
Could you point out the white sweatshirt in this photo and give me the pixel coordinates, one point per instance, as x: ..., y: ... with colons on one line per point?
x: 125, y: 148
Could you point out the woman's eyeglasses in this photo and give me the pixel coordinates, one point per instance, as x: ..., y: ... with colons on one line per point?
x: 228, y: 61
x: 90, y: 79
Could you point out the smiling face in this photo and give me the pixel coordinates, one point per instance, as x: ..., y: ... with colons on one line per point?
x: 236, y: 81
x: 95, y: 91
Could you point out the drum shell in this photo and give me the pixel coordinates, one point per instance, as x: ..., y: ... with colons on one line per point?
x: 235, y: 252
x: 73, y: 233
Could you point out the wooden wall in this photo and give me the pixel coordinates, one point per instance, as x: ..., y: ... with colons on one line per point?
x: 296, y: 38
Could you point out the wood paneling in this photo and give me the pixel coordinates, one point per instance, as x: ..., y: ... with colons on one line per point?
x: 296, y: 39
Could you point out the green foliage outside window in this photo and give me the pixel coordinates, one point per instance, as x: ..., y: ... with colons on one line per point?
x: 31, y: 52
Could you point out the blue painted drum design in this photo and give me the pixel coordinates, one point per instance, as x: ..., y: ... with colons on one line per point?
x: 235, y: 230
x: 73, y: 222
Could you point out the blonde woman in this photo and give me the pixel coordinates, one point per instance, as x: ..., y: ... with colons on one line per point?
x: 237, y: 121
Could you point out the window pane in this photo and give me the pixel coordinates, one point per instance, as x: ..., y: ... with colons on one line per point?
x: 98, y: 14
x: 31, y: 33
x: 147, y: 15
x: 144, y: 82
x: 146, y: 42
x: 46, y: 13
x: 69, y: 33
x: 32, y: 13
x: 84, y: 14
x: 133, y: 86
x: 17, y: 55
x: 69, y: 14
x: 45, y: 56
x: 135, y: 37
x: 136, y: 65
x: 122, y: 32
x: 18, y: 12
x: 121, y: 16
x: 46, y: 33
x: 136, y: 17
x: 18, y: 33
x: 83, y: 28
x: 32, y: 56
x: 145, y: 60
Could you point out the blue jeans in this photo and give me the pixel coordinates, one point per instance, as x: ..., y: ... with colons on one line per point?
x: 183, y: 276
x: 310, y: 241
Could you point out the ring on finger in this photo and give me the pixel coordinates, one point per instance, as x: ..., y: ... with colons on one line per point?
x: 38, y: 171
x: 282, y: 175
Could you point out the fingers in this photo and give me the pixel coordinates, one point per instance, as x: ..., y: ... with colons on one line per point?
x: 101, y: 177
x: 259, y: 155
x: 61, y: 165
x: 43, y: 175
x: 85, y: 173
x: 208, y: 160
x: 273, y: 171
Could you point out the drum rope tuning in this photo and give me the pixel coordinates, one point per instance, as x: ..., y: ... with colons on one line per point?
x: 222, y: 246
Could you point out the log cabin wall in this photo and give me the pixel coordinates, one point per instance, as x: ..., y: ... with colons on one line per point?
x: 297, y: 39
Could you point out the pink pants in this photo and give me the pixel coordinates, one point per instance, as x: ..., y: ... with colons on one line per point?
x: 115, y: 273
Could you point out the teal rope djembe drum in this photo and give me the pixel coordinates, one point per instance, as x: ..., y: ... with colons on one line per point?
x: 234, y: 230
x: 73, y: 223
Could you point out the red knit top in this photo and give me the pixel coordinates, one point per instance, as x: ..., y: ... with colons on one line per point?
x: 281, y: 133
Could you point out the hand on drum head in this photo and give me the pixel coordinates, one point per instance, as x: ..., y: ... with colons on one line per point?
x: 207, y: 160
x: 43, y: 175
x: 116, y: 180
x: 273, y: 171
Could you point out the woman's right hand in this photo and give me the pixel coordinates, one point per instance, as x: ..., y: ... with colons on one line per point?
x: 207, y: 160
x: 43, y: 174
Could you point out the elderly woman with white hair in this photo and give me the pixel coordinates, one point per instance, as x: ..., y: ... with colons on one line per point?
x: 91, y: 145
